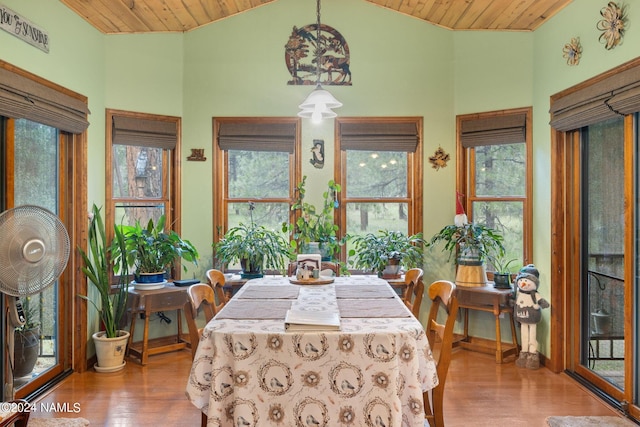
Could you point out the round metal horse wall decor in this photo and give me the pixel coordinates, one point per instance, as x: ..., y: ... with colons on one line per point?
x: 303, y: 50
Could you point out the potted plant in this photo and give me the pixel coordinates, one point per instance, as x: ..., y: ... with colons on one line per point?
x: 386, y: 252
x: 469, y: 242
x: 27, y: 341
x: 255, y: 247
x: 151, y: 250
x: 502, y: 269
x: 315, y: 228
x: 112, y: 300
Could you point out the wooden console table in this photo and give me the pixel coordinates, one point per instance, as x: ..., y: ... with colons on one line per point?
x: 144, y: 303
x: 492, y: 300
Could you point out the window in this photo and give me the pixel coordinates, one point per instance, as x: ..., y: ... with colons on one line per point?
x: 494, y: 175
x: 255, y: 160
x: 379, y: 166
x: 142, y: 181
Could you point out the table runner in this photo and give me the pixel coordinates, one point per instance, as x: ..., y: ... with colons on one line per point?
x: 254, y: 309
x: 270, y: 292
x: 364, y: 291
x: 367, y: 308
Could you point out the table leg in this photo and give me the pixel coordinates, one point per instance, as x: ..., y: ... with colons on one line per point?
x: 496, y: 313
x: 179, y: 315
x: 466, y: 323
x: 132, y: 329
x: 145, y: 339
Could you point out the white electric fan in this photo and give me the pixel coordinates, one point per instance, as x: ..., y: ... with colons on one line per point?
x: 34, y: 250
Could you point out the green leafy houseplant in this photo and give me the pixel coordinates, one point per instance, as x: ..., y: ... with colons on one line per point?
x: 373, y: 252
x: 151, y: 249
x: 255, y: 247
x: 313, y: 225
x: 112, y: 302
x: 468, y: 240
x: 502, y: 268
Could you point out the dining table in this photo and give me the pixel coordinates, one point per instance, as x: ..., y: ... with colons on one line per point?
x: 249, y: 370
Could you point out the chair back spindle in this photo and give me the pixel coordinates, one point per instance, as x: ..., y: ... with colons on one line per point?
x: 414, y: 290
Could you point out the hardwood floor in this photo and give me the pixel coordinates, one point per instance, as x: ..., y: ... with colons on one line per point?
x: 479, y: 392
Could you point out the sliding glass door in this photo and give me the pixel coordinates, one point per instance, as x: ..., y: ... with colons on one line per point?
x: 31, y: 176
x: 603, y: 257
x: 602, y: 294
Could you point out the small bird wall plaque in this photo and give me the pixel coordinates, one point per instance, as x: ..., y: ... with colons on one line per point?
x: 317, y: 153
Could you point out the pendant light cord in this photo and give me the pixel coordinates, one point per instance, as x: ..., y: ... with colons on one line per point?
x: 318, y: 53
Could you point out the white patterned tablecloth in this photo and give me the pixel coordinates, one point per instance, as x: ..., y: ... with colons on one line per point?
x: 248, y: 371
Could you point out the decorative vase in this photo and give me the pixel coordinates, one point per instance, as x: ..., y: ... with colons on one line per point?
x: 110, y: 351
x: 25, y: 351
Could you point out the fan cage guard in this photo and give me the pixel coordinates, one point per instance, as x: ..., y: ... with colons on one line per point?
x: 34, y: 250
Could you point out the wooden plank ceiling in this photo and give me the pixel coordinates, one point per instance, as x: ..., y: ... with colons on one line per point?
x: 145, y: 16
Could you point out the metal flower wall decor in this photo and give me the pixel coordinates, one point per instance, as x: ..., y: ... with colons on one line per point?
x: 439, y: 159
x: 572, y: 51
x: 612, y: 25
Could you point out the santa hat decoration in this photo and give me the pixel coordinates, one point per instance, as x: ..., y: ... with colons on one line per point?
x: 461, y: 217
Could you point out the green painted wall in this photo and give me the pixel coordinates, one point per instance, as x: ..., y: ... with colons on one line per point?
x: 400, y: 65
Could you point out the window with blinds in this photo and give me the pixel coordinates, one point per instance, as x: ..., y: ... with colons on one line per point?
x: 256, y: 159
x: 379, y: 167
x: 495, y: 173
x: 142, y: 175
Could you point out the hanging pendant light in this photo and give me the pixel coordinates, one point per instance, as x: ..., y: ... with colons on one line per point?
x: 318, y: 105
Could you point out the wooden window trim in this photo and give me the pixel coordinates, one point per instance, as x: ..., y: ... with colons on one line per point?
x: 220, y: 161
x: 415, y: 175
x: 465, y: 176
x: 172, y: 190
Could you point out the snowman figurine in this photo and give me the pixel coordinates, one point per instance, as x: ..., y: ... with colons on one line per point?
x: 528, y: 312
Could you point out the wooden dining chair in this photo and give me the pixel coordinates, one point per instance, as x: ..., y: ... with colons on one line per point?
x: 442, y: 295
x: 414, y: 290
x: 217, y: 281
x: 201, y: 297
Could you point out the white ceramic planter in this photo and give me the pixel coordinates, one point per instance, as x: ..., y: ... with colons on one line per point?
x: 110, y: 351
